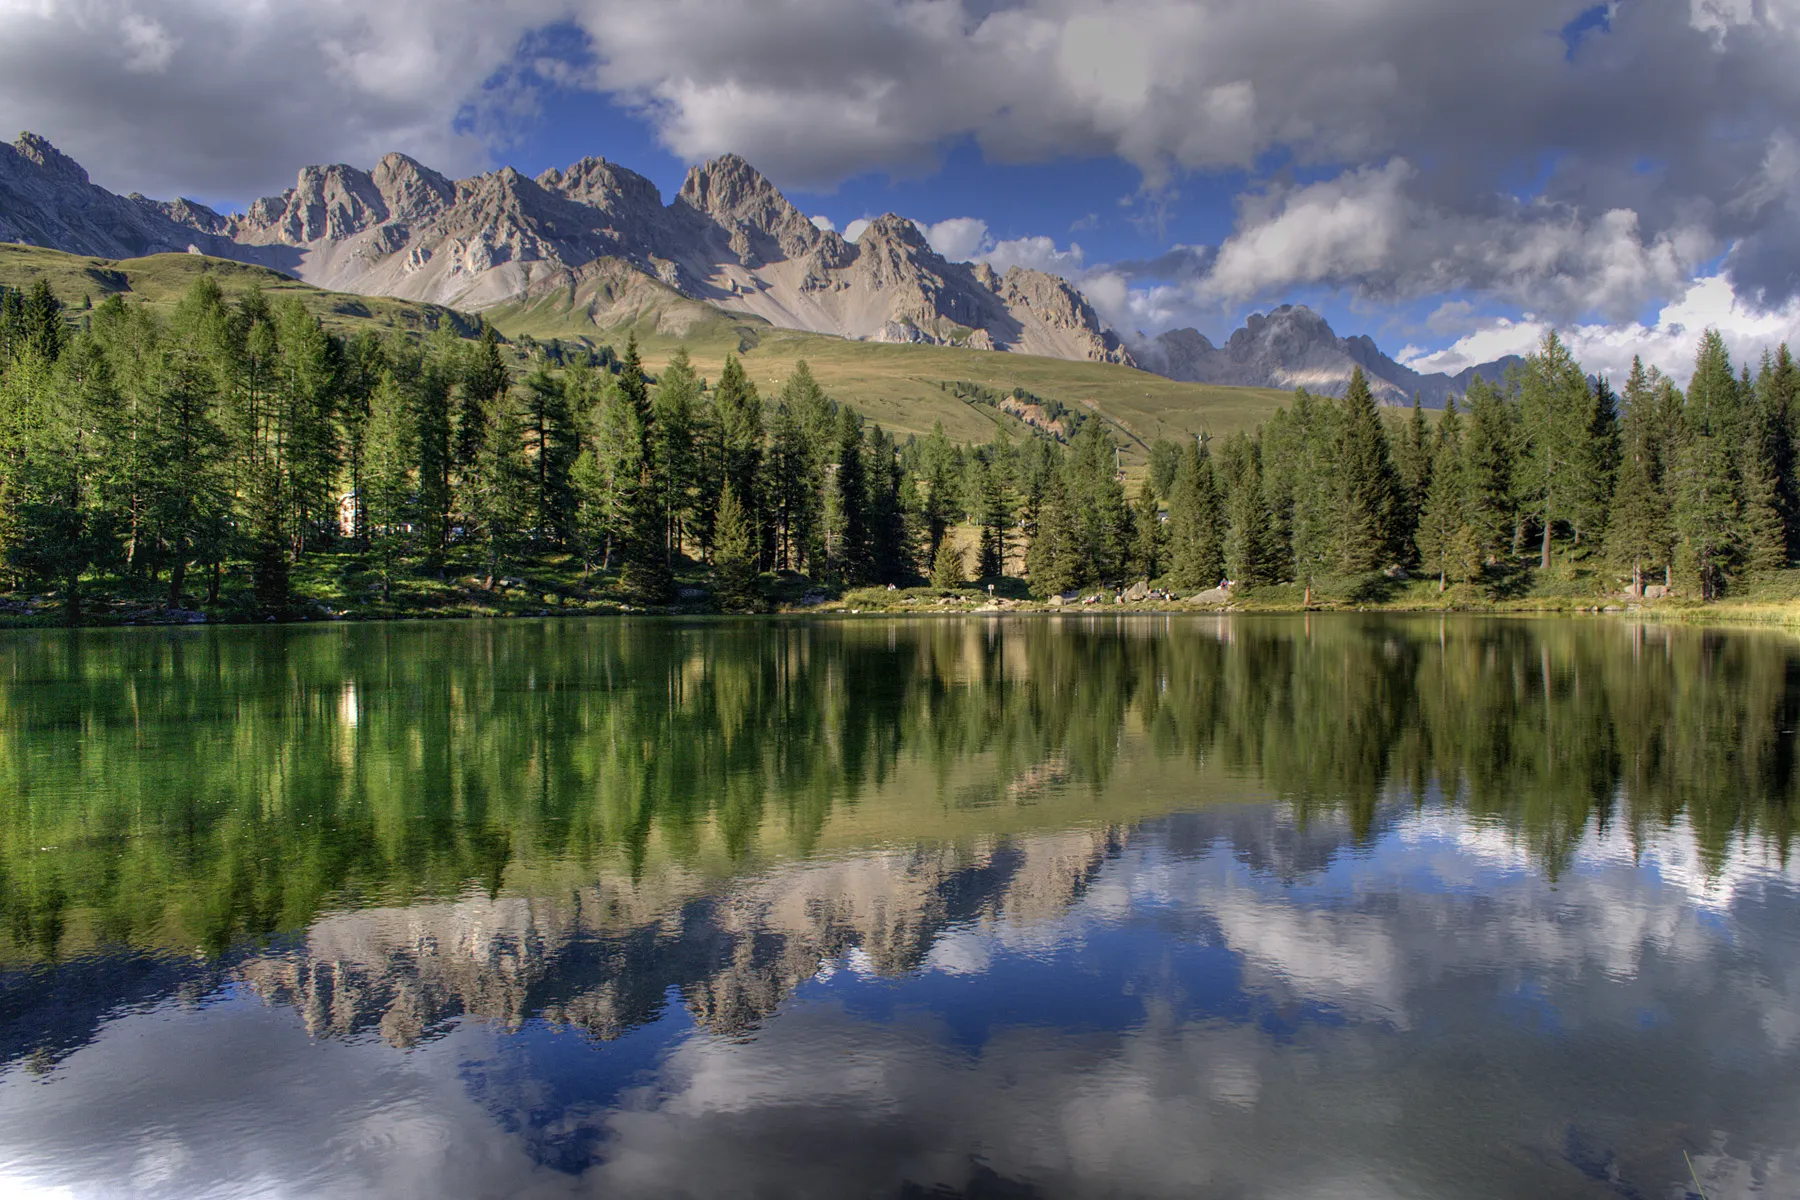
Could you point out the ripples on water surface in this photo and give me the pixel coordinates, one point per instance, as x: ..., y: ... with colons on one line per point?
x: 1177, y: 907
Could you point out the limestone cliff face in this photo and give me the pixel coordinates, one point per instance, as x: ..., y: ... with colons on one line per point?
x: 729, y: 239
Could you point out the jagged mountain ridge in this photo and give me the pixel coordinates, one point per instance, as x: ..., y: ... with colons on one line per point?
x: 729, y: 240
x: 1293, y: 347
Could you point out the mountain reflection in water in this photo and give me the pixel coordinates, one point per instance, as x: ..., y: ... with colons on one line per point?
x: 1063, y: 907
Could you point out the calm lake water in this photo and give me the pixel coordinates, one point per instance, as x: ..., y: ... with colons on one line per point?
x: 1062, y: 907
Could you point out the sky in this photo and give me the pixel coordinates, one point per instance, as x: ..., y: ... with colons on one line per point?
x: 1451, y: 179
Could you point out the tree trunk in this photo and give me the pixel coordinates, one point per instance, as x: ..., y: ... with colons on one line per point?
x: 1544, y: 561
x: 177, y: 576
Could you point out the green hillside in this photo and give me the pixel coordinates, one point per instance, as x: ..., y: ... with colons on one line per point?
x: 161, y: 279
x: 906, y: 388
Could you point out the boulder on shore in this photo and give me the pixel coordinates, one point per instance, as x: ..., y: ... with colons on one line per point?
x: 1216, y: 595
x: 1137, y: 592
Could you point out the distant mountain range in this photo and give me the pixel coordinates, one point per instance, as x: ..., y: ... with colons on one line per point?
x: 1294, y: 347
x: 729, y: 239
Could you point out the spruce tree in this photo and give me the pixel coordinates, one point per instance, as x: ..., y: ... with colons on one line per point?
x: 1706, y: 512
x: 1054, y: 559
x: 1555, y: 436
x: 996, y: 519
x: 849, y: 496
x: 1368, y: 492
x: 734, y: 555
x: 1246, y: 545
x: 947, y: 567
x: 1446, y: 543
x: 1147, y: 552
x: 1412, y: 463
x: 940, y: 499
x: 740, y: 419
x: 1764, y: 539
x: 674, y: 456
x: 389, y: 494
x: 503, y: 503
x: 1487, y: 469
x: 1165, y: 460
x: 1196, y: 536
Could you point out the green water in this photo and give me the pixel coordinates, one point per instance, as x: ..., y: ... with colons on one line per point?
x: 1079, y: 906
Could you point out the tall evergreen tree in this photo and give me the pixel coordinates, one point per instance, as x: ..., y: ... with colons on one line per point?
x: 674, y: 457
x: 389, y: 493
x: 1554, y: 430
x: 1412, y: 465
x: 1368, y: 492
x: 734, y: 554
x: 1445, y: 540
x: 1147, y: 539
x: 1488, y: 469
x: 1054, y: 560
x: 1639, y: 532
x: 1247, y: 536
x: 1196, y: 533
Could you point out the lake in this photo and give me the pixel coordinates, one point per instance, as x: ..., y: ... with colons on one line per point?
x: 1079, y: 906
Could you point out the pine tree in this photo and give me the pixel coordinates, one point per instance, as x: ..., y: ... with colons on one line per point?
x: 554, y: 444
x: 1597, y: 471
x: 674, y: 457
x: 1246, y: 545
x: 1487, y: 469
x: 503, y: 504
x: 947, y: 567
x: 1368, y: 492
x: 389, y: 494
x: 996, y: 519
x: 1445, y: 540
x: 734, y: 555
x: 1054, y: 559
x: 1147, y: 551
x: 1763, y: 536
x: 1555, y: 412
x: 1706, y: 512
x: 890, y: 555
x: 940, y: 499
x: 1165, y: 460
x: 1196, y: 536
x: 1300, y: 483
x: 795, y: 493
x: 1412, y: 463
x: 740, y: 419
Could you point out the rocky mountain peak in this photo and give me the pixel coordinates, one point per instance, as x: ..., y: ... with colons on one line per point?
x: 894, y: 229
x: 608, y: 187
x: 1288, y: 329
x: 742, y: 201
x: 49, y: 159
x: 411, y: 191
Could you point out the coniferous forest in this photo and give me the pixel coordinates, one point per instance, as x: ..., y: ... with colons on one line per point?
x: 208, y: 456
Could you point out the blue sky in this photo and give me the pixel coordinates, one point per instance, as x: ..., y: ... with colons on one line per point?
x: 1450, y: 179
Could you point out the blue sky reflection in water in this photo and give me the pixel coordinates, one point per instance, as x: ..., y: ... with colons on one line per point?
x: 1141, y: 945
